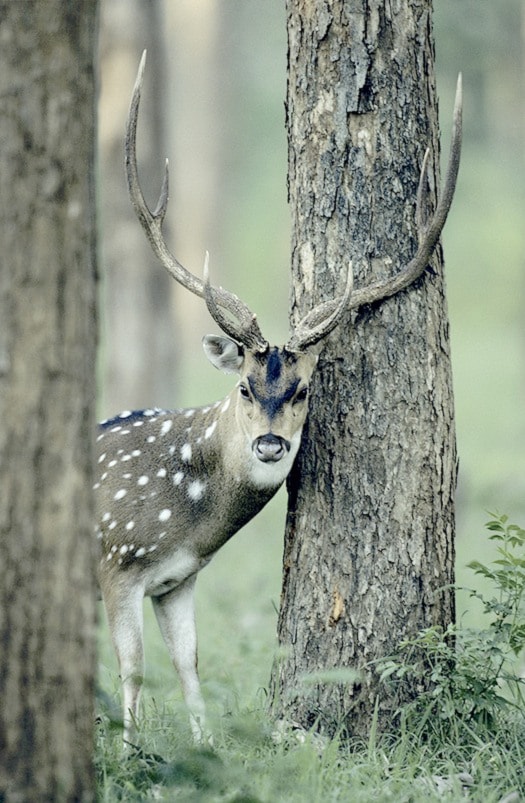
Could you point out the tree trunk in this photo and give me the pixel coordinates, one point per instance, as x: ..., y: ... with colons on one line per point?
x: 47, y: 390
x: 140, y: 361
x: 369, y: 536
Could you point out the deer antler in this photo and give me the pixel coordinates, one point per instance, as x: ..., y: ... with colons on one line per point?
x: 246, y: 330
x: 323, y: 319
x: 428, y: 236
x: 314, y: 327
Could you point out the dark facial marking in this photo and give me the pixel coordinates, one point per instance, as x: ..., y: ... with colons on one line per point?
x: 274, y: 402
x: 273, y: 366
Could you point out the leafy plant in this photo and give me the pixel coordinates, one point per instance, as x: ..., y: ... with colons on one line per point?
x: 465, y: 678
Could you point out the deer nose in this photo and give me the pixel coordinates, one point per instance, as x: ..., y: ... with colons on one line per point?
x: 270, y: 448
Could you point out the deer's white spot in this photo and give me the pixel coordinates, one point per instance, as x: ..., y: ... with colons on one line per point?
x: 166, y: 426
x: 196, y: 489
x: 123, y: 458
x: 120, y: 494
x: 136, y: 452
x: 99, y: 534
x: 113, y: 549
x: 125, y: 414
x: 138, y: 423
x: 109, y: 556
x: 225, y: 405
x: 140, y: 552
x: 96, y: 486
x: 161, y: 535
x: 102, y: 435
x: 143, y: 480
x: 115, y: 429
x: 112, y: 525
x: 153, y: 548
x: 123, y: 549
x: 125, y: 431
x: 149, y: 412
x: 189, y: 413
x: 130, y: 525
x: 102, y: 458
x: 161, y: 472
x: 185, y: 452
x: 106, y: 517
x: 165, y: 514
x: 151, y: 439
x: 127, y: 475
x: 178, y: 477
x: 112, y: 463
x: 205, y: 410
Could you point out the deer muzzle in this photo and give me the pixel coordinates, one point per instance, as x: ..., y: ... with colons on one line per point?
x: 270, y: 448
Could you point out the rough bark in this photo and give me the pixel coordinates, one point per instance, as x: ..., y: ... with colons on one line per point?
x: 369, y: 537
x: 47, y: 389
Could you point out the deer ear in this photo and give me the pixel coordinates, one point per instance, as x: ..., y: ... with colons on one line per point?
x: 223, y: 353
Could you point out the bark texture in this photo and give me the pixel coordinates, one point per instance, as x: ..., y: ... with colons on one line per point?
x: 47, y: 391
x: 370, y: 527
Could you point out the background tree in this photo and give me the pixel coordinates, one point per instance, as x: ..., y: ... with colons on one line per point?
x: 47, y: 389
x: 369, y: 546
x: 139, y: 362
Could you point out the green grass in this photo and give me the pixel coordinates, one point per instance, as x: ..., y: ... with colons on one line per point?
x: 247, y: 765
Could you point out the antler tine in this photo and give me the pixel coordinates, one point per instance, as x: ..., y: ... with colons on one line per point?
x: 429, y: 236
x: 320, y: 321
x: 152, y: 222
x: 247, y: 330
x: 152, y: 225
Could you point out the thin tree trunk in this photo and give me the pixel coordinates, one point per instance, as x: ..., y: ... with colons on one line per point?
x: 47, y: 390
x: 369, y: 538
x: 140, y: 361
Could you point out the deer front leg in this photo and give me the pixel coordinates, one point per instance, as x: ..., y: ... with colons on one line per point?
x: 175, y: 613
x: 125, y: 618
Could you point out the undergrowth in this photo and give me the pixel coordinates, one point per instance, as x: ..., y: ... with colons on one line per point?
x: 461, y: 738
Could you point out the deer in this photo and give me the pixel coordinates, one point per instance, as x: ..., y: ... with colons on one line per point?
x: 174, y: 485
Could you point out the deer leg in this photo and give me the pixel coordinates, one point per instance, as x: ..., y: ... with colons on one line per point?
x: 175, y: 613
x: 125, y: 618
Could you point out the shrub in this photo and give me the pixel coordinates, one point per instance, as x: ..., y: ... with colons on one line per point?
x: 468, y: 678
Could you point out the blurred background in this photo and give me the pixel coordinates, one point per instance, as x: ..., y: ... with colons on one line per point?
x: 214, y: 103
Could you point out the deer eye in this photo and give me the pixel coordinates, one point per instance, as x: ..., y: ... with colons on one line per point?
x: 302, y: 395
x: 245, y: 393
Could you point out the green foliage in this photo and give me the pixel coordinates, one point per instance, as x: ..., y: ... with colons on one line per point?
x: 467, y: 680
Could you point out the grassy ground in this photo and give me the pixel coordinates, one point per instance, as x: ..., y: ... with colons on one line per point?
x: 251, y: 759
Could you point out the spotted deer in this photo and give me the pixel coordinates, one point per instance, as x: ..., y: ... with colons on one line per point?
x: 175, y: 485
